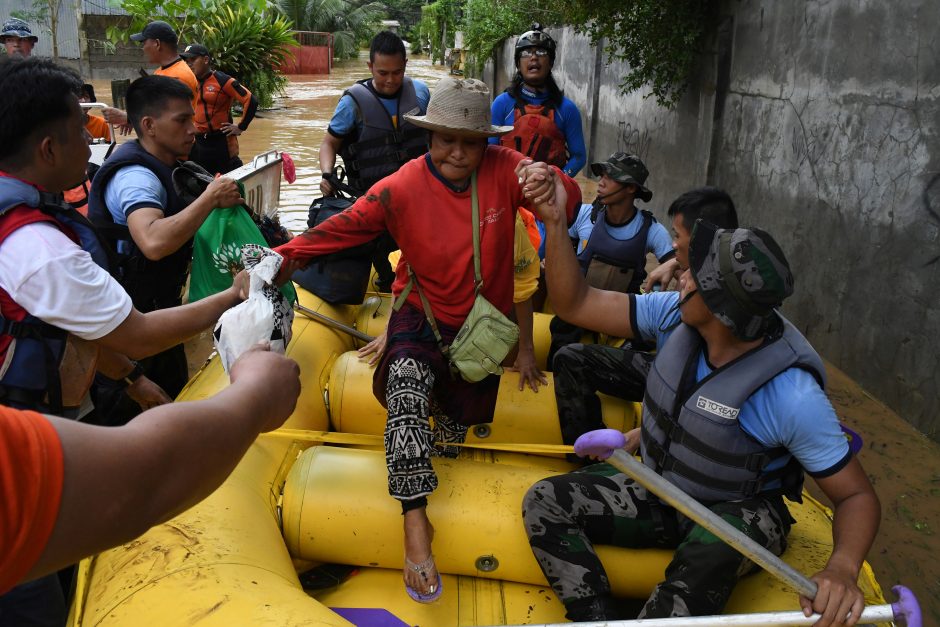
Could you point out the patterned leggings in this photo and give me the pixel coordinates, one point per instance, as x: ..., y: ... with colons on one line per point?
x: 410, y: 440
x: 565, y: 515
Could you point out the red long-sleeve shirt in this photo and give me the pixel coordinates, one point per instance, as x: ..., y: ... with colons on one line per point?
x: 431, y: 224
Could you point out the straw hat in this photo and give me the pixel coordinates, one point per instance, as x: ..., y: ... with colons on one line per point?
x: 461, y: 107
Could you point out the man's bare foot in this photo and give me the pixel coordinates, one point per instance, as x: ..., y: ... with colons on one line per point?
x: 421, y: 574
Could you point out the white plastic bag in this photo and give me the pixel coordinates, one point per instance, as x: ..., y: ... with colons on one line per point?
x: 266, y: 316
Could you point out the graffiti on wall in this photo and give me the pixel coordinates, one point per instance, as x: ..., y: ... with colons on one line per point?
x: 633, y: 140
x: 809, y: 144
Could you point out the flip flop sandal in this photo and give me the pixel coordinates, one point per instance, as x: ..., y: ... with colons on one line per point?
x: 434, y: 590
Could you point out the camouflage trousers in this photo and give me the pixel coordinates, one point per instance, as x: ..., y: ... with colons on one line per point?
x: 410, y: 439
x: 566, y: 515
x: 582, y: 370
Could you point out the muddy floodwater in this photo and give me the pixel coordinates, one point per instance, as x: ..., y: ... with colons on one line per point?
x: 903, y: 464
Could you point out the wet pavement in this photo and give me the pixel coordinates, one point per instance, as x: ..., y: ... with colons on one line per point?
x: 903, y: 464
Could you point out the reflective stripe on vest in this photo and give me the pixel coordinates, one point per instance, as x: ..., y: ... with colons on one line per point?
x: 380, y: 148
x: 536, y: 135
x: 151, y: 284
x: 628, y: 254
x: 704, y: 451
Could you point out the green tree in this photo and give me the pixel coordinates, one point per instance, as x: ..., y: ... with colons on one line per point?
x: 407, y: 12
x: 351, y: 22
x: 438, y: 24
x: 659, y: 39
x: 247, y: 40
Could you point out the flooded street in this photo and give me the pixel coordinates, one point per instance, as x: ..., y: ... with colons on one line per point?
x: 903, y: 464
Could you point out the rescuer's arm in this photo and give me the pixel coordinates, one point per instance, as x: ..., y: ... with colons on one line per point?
x: 856, y: 516
x: 163, y: 462
x: 158, y: 235
x: 249, y: 107
x: 572, y: 298
x: 141, y: 335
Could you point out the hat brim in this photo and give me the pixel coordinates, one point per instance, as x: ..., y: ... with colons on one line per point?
x: 138, y: 37
x: 643, y: 192
x: 19, y: 34
x: 191, y: 55
x: 493, y: 131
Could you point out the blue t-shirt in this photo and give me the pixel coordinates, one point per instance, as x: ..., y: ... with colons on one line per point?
x: 658, y: 241
x: 790, y: 410
x: 567, y: 119
x: 131, y: 188
x: 346, y: 118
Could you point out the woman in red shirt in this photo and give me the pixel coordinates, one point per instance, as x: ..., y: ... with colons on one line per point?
x: 426, y: 206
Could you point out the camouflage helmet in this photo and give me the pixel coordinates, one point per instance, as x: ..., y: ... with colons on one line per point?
x: 742, y: 275
x: 15, y: 27
x: 625, y: 169
x: 535, y: 38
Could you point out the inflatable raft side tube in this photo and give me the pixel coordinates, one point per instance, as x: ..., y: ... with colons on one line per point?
x: 223, y: 562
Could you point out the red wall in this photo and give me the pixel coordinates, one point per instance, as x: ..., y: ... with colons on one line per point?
x: 308, y: 60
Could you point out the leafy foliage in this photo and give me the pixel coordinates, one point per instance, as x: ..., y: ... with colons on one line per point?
x: 249, y: 45
x: 407, y: 12
x: 246, y: 40
x: 352, y: 22
x: 438, y: 24
x: 487, y: 23
x: 659, y: 39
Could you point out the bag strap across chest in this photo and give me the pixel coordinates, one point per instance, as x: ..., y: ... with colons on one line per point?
x: 477, y: 273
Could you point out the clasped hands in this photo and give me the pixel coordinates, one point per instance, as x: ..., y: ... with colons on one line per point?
x: 541, y: 188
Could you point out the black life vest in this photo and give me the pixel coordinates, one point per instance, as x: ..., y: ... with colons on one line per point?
x: 31, y: 350
x: 380, y: 149
x: 690, y: 431
x: 151, y: 284
x: 613, y: 264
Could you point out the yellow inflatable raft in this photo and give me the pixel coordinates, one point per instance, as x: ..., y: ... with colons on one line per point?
x: 314, y: 493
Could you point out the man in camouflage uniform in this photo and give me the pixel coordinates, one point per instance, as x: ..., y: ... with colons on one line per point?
x: 583, y: 370
x: 734, y: 414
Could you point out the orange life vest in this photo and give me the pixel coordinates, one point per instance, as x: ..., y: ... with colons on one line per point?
x: 536, y: 135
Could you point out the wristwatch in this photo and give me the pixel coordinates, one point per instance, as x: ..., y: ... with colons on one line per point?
x: 131, y: 377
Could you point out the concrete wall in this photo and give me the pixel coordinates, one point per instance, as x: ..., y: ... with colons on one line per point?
x: 821, y: 119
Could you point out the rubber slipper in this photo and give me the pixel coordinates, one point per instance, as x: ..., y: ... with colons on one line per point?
x: 434, y: 590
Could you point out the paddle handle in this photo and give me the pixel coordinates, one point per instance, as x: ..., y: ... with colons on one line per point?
x: 870, y: 615
x: 608, y: 443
